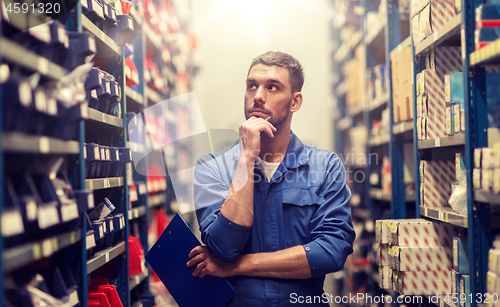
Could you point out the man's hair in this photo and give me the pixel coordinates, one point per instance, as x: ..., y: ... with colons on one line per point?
x: 278, y: 58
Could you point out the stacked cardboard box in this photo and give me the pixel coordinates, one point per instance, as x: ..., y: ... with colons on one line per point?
x: 417, y: 255
x: 430, y: 16
x: 486, y: 173
x: 402, y: 76
x: 492, y: 277
x: 431, y: 93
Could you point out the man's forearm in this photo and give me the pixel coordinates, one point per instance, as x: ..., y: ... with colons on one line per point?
x: 290, y: 263
x: 238, y: 206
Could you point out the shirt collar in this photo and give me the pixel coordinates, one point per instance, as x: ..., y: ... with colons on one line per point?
x: 297, y: 153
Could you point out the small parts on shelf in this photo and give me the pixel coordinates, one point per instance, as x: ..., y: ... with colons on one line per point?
x: 153, y: 76
x: 39, y: 110
x: 487, y: 25
x: 103, y: 92
x: 429, y: 16
x: 486, y: 173
x: 431, y: 94
x: 104, y: 161
x: 137, y: 262
x: 102, y: 294
x: 377, y: 85
x: 104, y: 226
x: 37, y: 202
x: 53, y: 285
x: 111, y: 19
x: 131, y: 73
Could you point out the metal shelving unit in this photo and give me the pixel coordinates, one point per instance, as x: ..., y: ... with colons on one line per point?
x: 74, y: 241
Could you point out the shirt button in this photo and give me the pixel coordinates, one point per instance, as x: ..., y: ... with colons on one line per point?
x: 314, y: 268
x: 307, y: 249
x: 229, y: 224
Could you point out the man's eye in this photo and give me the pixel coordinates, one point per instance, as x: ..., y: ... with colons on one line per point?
x: 273, y: 87
x: 251, y: 86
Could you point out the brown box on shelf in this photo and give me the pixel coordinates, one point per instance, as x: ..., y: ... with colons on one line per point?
x: 354, y: 71
x: 402, y: 85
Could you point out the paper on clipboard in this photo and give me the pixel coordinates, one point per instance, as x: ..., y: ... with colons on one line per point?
x: 168, y: 258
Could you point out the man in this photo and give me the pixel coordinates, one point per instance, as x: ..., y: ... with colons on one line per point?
x: 275, y: 215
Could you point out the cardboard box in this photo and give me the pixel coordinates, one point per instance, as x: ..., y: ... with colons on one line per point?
x: 431, y: 258
x: 449, y: 120
x: 461, y: 255
x: 385, y: 274
x: 491, y: 283
x: 486, y: 161
x: 486, y: 179
x: 402, y: 85
x: 442, y: 11
x: 494, y: 260
x: 496, y: 180
x: 440, y: 171
x: 382, y: 233
x: 476, y: 178
x: 421, y: 232
x: 464, y: 289
x: 457, y: 127
x: 455, y: 282
x: 383, y: 255
x: 423, y: 283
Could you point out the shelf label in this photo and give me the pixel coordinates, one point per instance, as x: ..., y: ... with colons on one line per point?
x: 55, y: 244
x: 72, y: 238
x: 107, y: 184
x: 136, y: 213
x: 44, y: 144
x: 43, y: 65
x: 69, y: 212
x: 37, y: 252
x: 12, y: 223
x: 441, y: 216
x: 446, y: 217
x: 435, y: 36
x: 425, y: 212
x: 437, y: 142
x: 103, y: 117
x: 107, y: 257
x: 91, y: 184
x: 47, y: 248
x: 47, y: 216
x: 90, y: 241
x: 90, y: 201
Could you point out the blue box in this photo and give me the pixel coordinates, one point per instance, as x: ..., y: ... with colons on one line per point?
x: 457, y: 88
x: 461, y: 255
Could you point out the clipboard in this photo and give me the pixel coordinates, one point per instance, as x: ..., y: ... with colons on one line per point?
x: 168, y: 258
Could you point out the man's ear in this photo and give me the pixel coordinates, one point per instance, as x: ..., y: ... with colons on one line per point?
x: 297, y: 102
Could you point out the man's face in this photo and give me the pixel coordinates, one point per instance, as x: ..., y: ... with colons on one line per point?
x: 268, y: 93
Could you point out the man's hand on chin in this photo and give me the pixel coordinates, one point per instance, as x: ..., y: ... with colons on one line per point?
x: 207, y: 264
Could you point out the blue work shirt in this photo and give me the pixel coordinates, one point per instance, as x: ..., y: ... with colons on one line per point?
x: 306, y: 203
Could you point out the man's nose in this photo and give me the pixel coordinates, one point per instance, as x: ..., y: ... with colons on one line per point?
x: 260, y: 95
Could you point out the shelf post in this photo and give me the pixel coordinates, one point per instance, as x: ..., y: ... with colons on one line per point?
x: 479, y: 217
